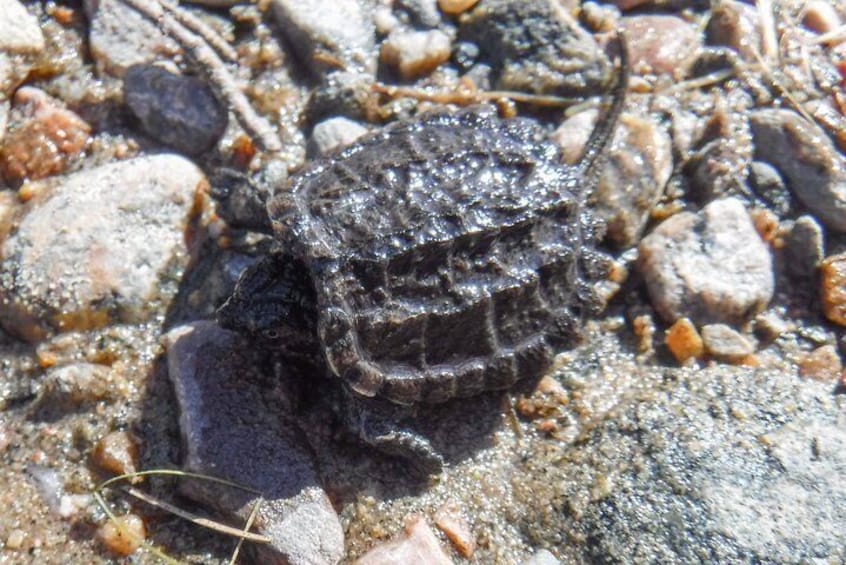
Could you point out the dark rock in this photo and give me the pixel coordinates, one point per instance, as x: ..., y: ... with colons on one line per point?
x: 814, y: 170
x: 710, y: 267
x: 236, y: 425
x: 342, y: 93
x: 768, y: 186
x: 803, y: 248
x: 424, y: 13
x: 535, y: 46
x: 735, y: 25
x: 465, y: 55
x: 179, y: 111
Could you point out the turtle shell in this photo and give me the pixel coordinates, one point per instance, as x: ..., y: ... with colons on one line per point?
x: 449, y: 255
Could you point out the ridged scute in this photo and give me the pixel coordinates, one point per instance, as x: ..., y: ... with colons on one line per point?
x: 449, y: 255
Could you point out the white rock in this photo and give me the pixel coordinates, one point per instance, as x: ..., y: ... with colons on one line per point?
x: 99, y: 245
x: 334, y: 133
x: 710, y: 267
x: 19, y: 30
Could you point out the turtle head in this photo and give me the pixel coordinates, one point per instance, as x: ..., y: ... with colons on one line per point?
x: 274, y: 303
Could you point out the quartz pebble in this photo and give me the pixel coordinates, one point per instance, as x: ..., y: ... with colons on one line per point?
x: 659, y: 44
x: 709, y: 267
x: 43, y: 138
x: 334, y: 133
x: 683, y: 341
x: 821, y: 364
x: 123, y: 535
x: 87, y: 252
x: 416, y: 53
x: 542, y: 557
x: 419, y: 545
x: 726, y: 344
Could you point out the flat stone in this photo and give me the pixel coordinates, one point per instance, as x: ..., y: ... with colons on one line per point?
x: 632, y: 179
x: 180, y: 111
x: 329, y: 29
x: 711, y: 267
x: 100, y: 245
x: 419, y: 545
x: 334, y: 133
x: 535, y: 46
x: 44, y: 137
x: 236, y: 425
x: 120, y: 37
x: 416, y: 53
x: 813, y: 168
x: 803, y: 248
x: 726, y: 344
x: 660, y: 44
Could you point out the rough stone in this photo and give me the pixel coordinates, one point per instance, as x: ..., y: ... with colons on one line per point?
x: 334, y: 133
x: 120, y: 37
x: 179, y: 111
x: 416, y: 53
x: 768, y: 186
x: 19, y: 30
x: 100, y: 245
x: 803, y: 248
x: 70, y: 387
x: 726, y: 344
x: 736, y: 464
x: 814, y: 170
x: 660, y: 44
x: 237, y: 426
x: 43, y: 138
x: 710, y: 267
x: 833, y: 288
x: 638, y: 165
x: 419, y: 545
x: 318, y: 30
x: 683, y: 341
x: 343, y: 93
x: 535, y: 46
x: 822, y: 364
x: 422, y: 12
x: 542, y: 557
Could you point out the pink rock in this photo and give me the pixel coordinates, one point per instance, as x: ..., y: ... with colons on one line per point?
x: 419, y: 545
x: 659, y: 44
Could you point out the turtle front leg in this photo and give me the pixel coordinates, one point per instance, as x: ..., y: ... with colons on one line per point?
x: 377, y: 423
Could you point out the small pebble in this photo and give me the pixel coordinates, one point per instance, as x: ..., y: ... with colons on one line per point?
x: 453, y: 524
x: 683, y: 341
x: 803, y: 248
x: 542, y: 557
x: 660, y: 44
x: 769, y: 326
x: 15, y: 539
x: 833, y: 288
x: 820, y: 16
x: 455, y: 7
x: 419, y: 545
x: 19, y: 31
x: 768, y: 186
x: 766, y: 223
x: 735, y: 25
x: 724, y: 343
x: 334, y: 133
x: 416, y: 53
x: 709, y: 267
x: 123, y: 535
x: 116, y: 453
x: 821, y: 364
x: 43, y: 137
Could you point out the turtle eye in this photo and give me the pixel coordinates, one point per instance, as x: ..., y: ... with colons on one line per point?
x: 271, y: 334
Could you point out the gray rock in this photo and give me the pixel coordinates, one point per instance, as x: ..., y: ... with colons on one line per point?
x: 637, y: 168
x: 535, y: 46
x: 803, y: 248
x: 179, y: 111
x: 342, y: 29
x: 724, y: 465
x: 100, y: 245
x: 814, y: 170
x: 710, y: 267
x: 334, y: 133
x: 768, y: 186
x: 341, y: 94
x: 235, y: 425
x: 120, y: 37
x: 422, y: 12
x: 725, y: 343
x: 542, y: 557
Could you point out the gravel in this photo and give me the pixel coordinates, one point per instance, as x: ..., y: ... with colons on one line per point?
x: 334, y: 133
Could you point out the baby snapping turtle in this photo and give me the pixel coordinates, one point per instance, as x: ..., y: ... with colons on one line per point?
x: 438, y: 258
